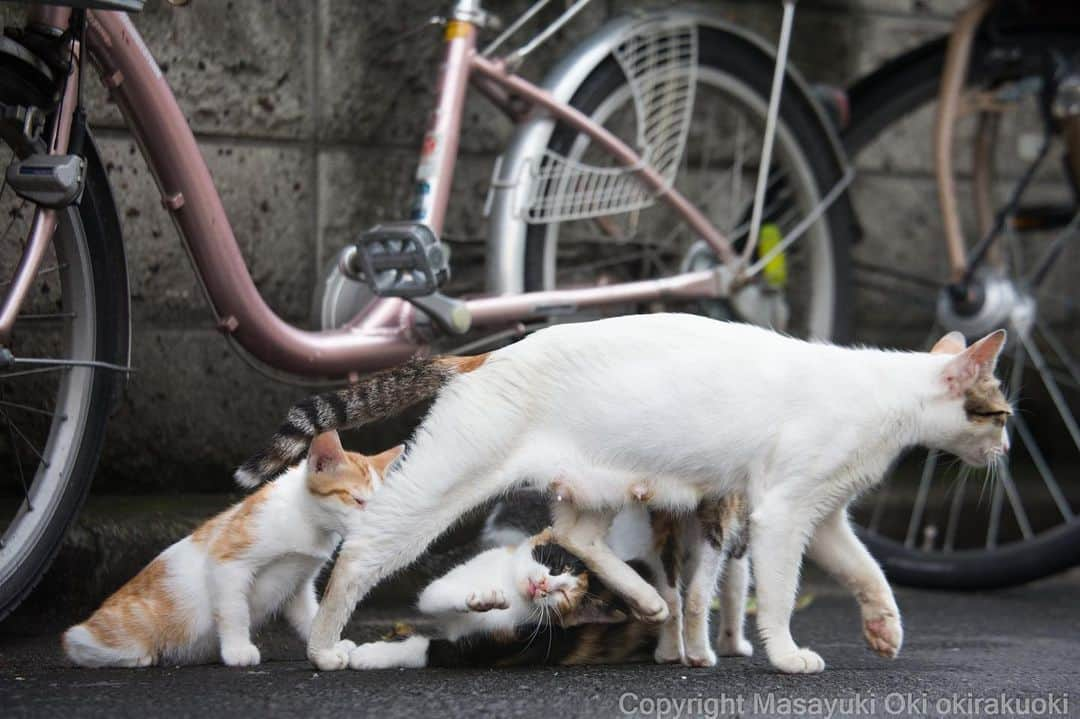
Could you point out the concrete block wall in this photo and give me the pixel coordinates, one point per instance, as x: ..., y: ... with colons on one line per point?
x: 309, y: 115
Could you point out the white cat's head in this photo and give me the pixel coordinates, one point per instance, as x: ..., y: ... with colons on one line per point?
x: 343, y: 482
x: 968, y: 416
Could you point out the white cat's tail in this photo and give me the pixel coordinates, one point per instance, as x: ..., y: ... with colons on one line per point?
x: 381, y: 395
x: 86, y: 650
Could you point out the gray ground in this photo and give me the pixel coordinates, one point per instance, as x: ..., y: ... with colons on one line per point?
x: 1020, y: 643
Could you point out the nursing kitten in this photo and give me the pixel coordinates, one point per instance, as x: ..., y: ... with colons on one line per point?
x: 708, y: 545
x: 204, y: 595
x: 535, y: 603
x: 668, y: 410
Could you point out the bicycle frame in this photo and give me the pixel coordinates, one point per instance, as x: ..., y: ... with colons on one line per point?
x: 386, y: 332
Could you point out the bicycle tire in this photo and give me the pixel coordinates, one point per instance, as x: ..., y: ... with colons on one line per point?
x: 877, y: 101
x: 94, y: 220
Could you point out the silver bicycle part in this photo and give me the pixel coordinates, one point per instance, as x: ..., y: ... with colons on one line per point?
x: 770, y: 126
x: 68, y: 415
x: 512, y: 179
x: 1003, y: 305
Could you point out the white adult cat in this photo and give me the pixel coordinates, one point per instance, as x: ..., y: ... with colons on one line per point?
x: 203, y: 596
x: 668, y: 409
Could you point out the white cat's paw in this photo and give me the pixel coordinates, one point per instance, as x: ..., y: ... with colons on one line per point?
x: 240, y: 655
x: 884, y: 633
x: 729, y: 645
x: 700, y: 657
x: 669, y: 649
x: 332, y: 659
x: 801, y: 661
x: 374, y: 655
x: 653, y: 610
x: 668, y: 654
x: 486, y: 601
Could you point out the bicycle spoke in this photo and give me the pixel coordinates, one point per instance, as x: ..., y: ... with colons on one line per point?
x: 1052, y: 388
x: 28, y: 408
x: 42, y: 271
x: 1006, y: 480
x: 895, y: 274
x: 25, y: 439
x: 1059, y: 349
x: 1042, y: 466
x: 954, y: 512
x: 994, y: 528
x: 40, y: 370
x: 45, y: 316
x: 18, y: 463
x: 929, y: 465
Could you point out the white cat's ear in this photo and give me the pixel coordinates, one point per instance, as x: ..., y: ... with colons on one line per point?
x: 978, y: 360
x: 952, y: 344
x: 325, y: 452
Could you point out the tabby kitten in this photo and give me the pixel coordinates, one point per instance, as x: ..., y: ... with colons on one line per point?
x: 204, y: 595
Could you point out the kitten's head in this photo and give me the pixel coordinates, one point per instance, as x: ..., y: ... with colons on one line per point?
x: 559, y: 585
x: 970, y: 418
x: 345, y: 480
x: 549, y: 576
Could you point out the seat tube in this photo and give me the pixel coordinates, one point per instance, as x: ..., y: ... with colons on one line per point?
x: 438, y: 152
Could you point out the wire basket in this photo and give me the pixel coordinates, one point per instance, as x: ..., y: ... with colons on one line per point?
x: 660, y: 64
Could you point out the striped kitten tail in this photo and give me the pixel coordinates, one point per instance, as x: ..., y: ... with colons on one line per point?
x: 376, y: 397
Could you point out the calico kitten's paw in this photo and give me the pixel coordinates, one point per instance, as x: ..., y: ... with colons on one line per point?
x: 884, y: 633
x: 802, y: 661
x: 240, y: 655
x: 486, y: 601
x: 729, y: 645
x: 332, y: 659
x: 700, y: 657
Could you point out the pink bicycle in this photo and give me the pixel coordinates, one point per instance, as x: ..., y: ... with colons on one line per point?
x: 671, y: 160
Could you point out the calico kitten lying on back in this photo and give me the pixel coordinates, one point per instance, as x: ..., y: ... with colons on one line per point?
x: 537, y: 603
x: 203, y: 596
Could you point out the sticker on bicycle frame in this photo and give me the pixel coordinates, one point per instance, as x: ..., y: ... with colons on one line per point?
x: 456, y: 29
x: 431, y: 142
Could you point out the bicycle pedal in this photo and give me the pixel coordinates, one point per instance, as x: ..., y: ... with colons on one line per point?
x: 53, y: 181
x: 400, y: 259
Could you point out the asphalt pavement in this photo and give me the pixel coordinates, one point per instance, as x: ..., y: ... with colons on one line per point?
x: 1006, y: 653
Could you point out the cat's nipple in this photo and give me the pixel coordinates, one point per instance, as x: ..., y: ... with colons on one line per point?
x: 641, y: 492
x: 561, y: 491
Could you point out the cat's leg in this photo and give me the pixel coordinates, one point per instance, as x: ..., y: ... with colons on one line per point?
x: 409, y: 653
x: 230, y: 585
x: 731, y: 638
x: 666, y: 564
x: 779, y: 531
x: 698, y: 602
x: 584, y: 533
x: 837, y: 550
x: 301, y: 608
x: 401, y: 520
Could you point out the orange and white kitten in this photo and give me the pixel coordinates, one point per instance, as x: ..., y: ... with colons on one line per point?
x: 203, y: 596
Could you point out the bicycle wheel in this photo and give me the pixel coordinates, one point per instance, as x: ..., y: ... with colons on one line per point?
x: 806, y: 294
x: 53, y: 416
x: 932, y: 523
